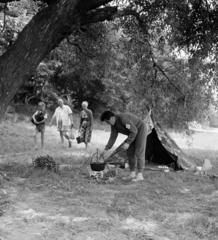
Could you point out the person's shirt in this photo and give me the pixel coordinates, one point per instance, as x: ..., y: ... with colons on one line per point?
x: 127, y: 124
x: 40, y: 115
x: 63, y: 114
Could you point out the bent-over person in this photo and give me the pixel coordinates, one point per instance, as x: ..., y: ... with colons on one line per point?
x: 136, y: 130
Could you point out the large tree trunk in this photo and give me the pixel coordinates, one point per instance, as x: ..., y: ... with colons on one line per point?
x: 43, y: 33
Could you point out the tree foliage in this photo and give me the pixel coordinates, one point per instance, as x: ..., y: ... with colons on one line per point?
x: 121, y: 54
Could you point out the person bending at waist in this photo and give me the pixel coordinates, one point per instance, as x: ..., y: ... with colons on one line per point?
x: 135, y: 144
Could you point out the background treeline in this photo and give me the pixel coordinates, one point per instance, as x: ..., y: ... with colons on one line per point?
x: 118, y: 66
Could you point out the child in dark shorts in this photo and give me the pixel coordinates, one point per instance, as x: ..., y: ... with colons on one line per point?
x: 38, y: 119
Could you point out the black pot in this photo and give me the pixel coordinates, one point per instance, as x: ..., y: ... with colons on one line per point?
x: 97, y: 166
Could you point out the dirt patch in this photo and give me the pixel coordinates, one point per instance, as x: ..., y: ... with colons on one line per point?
x: 39, y: 214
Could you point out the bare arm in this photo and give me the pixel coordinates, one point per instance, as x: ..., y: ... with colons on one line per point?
x: 41, y: 121
x: 112, y: 139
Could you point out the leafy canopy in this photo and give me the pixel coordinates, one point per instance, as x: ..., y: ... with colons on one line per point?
x: 163, y: 52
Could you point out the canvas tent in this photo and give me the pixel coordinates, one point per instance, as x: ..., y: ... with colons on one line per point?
x: 160, y: 149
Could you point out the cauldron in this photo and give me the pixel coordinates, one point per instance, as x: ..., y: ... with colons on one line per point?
x: 97, y: 166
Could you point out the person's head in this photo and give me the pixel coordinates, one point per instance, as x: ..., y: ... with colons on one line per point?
x: 41, y: 105
x: 85, y: 105
x: 108, y: 117
x: 60, y: 102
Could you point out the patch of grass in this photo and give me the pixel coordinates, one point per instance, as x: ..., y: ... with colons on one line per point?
x: 15, y: 137
x: 181, y: 205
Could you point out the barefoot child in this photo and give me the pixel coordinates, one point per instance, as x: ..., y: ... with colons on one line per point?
x: 38, y: 119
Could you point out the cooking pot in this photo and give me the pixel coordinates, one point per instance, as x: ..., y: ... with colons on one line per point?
x: 97, y: 166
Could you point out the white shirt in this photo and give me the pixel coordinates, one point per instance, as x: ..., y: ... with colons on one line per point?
x: 63, y: 113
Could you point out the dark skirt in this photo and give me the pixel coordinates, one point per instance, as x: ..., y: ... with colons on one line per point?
x: 86, y: 132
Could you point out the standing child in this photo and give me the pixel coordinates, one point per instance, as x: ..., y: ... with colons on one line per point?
x: 38, y: 119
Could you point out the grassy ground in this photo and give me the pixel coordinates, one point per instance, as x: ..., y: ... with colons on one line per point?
x: 40, y: 205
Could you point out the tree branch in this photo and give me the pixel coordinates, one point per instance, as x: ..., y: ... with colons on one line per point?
x: 162, y: 71
x: 107, y: 13
x: 99, y: 15
x: 128, y: 12
x: 93, y: 4
x: 6, y: 1
x: 48, y: 2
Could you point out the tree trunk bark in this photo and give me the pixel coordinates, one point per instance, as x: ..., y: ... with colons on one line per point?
x: 44, y: 32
